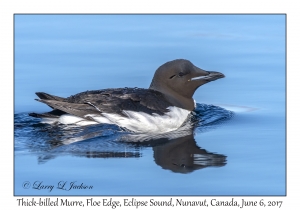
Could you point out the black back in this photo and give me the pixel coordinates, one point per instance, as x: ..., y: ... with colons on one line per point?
x: 113, y: 100
x: 119, y: 99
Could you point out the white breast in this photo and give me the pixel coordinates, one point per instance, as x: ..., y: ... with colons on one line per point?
x: 138, y: 122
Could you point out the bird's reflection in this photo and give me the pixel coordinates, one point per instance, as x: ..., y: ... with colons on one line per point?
x: 183, y: 155
x: 176, y: 151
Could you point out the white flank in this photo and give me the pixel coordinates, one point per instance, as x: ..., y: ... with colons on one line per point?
x: 138, y: 122
x: 141, y: 122
x: 69, y: 119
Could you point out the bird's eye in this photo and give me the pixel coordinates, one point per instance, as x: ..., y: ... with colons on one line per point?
x: 181, y: 74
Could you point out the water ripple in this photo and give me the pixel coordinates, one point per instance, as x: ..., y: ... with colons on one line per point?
x: 104, y: 140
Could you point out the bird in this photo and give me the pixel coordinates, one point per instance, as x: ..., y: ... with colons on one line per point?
x: 161, y: 108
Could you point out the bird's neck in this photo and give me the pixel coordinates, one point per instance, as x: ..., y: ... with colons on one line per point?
x: 176, y: 99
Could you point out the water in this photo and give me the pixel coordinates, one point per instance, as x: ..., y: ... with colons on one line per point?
x: 238, y: 133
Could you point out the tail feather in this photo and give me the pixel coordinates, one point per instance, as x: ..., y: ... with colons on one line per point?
x: 61, y: 106
x: 47, y: 96
x: 79, y: 110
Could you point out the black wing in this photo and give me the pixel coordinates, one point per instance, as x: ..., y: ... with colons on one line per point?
x: 110, y: 101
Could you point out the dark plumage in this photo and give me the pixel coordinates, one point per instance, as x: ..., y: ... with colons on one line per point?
x: 105, y: 101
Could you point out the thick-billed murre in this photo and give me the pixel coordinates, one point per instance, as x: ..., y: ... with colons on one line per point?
x: 161, y: 108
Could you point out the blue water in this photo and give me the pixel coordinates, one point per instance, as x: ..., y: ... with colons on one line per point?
x: 238, y: 139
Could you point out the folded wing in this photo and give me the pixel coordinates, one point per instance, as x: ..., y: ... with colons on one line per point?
x: 105, y: 101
